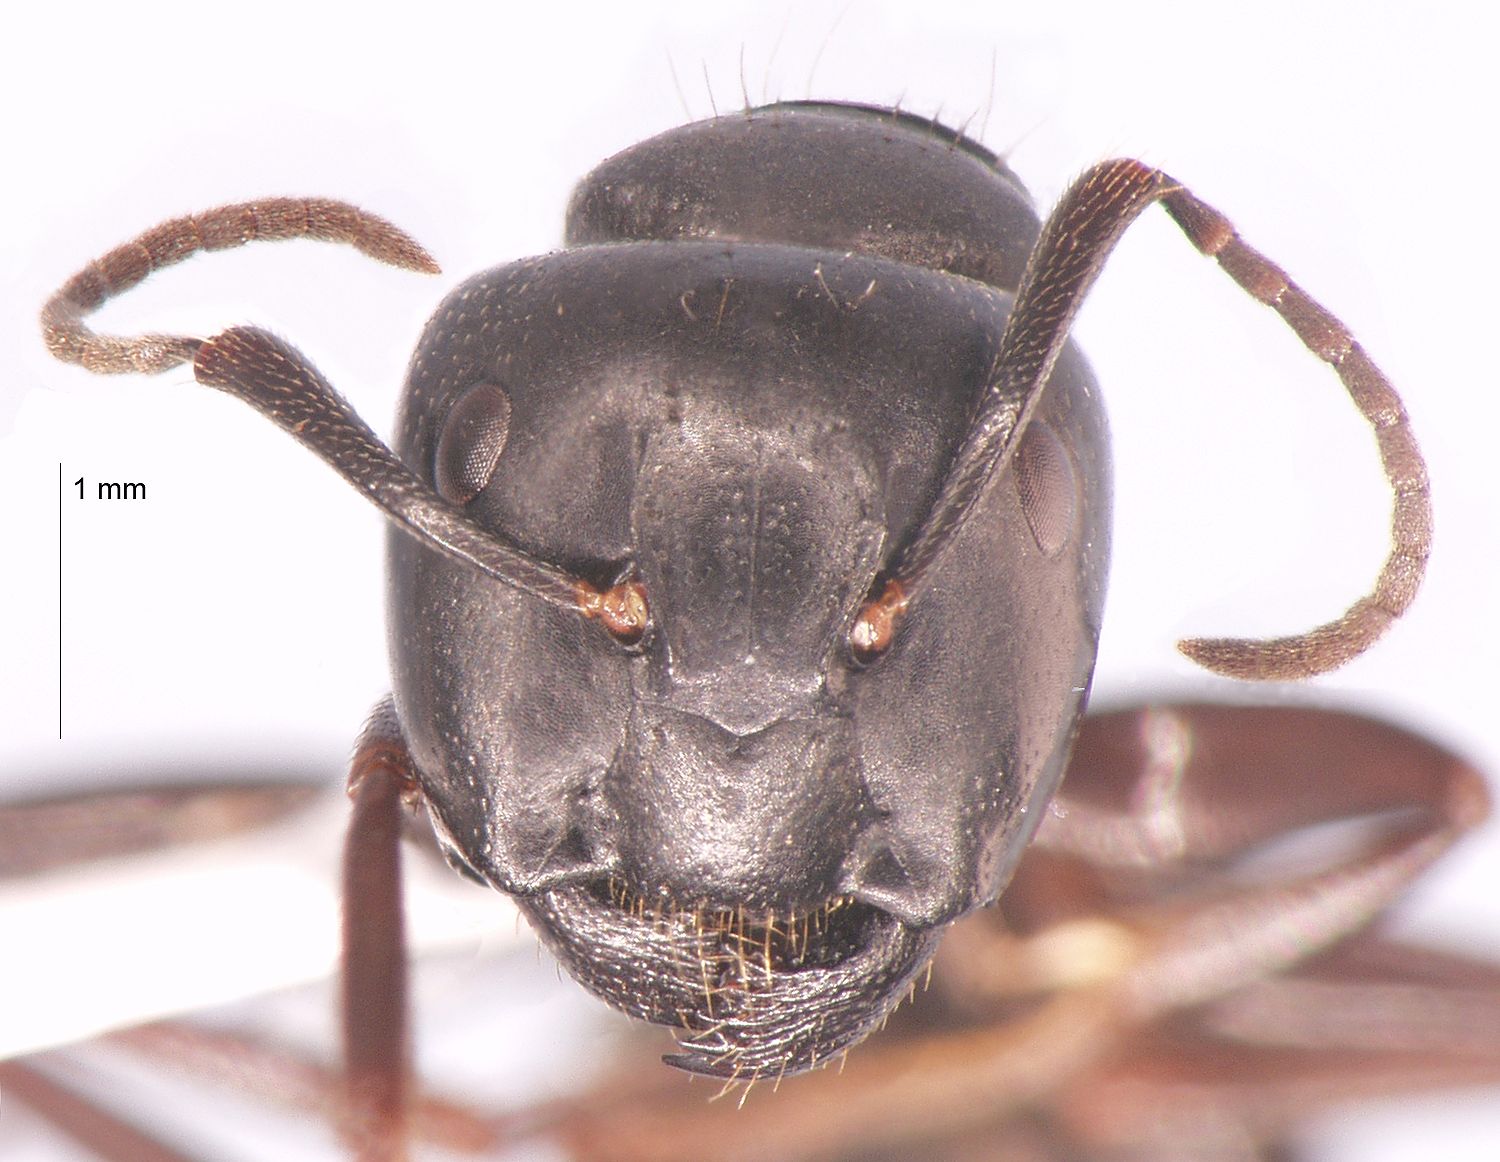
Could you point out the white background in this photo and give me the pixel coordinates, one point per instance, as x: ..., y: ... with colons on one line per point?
x: 234, y: 616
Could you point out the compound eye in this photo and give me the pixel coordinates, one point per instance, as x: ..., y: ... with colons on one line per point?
x: 1047, y: 487
x: 469, y: 446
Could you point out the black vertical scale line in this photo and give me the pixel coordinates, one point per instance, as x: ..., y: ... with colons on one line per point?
x: 59, y: 599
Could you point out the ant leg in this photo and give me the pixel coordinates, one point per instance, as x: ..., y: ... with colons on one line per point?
x: 286, y: 1078
x: 47, y: 834
x: 97, y: 1130
x: 1369, y: 1020
x: 56, y: 835
x: 135, y: 871
x: 373, y: 966
x: 1193, y: 783
x: 252, y: 1066
x: 1154, y: 796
